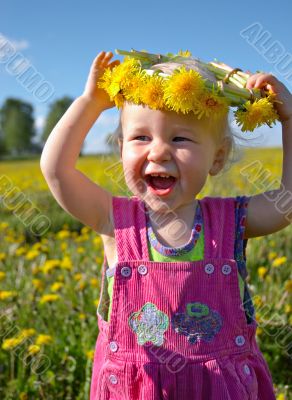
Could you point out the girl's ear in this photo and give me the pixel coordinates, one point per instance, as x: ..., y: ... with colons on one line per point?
x: 220, y: 157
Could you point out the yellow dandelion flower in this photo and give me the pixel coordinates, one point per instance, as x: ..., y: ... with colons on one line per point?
x: 7, y: 294
x: 32, y: 254
x: 64, y: 246
x: 20, y: 251
x: 97, y: 241
x: 288, y: 308
x: 90, y: 354
x: 182, y: 89
x: 258, y: 301
x: 2, y: 256
x: 85, y: 229
x: 94, y: 282
x: 288, y: 286
x: 271, y: 255
x: 3, y: 225
x: 209, y: 104
x: 96, y: 302
x: 33, y: 349
x: 82, y: 316
x: 26, y: 333
x: 2, y: 275
x: 259, y: 331
x: 50, y: 265
x: 152, y: 92
x: 81, y: 285
x: 23, y: 396
x: 262, y: 272
x: 80, y: 250
x: 11, y: 343
x: 56, y: 286
x: 63, y: 234
x: 49, y: 298
x: 281, y: 396
x: 77, y: 277
x: 279, y: 261
x: 133, y: 88
x: 38, y: 284
x: 185, y: 53
x: 66, y: 263
x: 254, y: 114
x: 43, y: 339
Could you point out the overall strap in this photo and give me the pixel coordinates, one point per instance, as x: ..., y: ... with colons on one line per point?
x: 219, y: 226
x: 130, y: 228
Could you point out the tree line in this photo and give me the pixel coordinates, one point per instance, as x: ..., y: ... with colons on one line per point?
x: 17, y: 126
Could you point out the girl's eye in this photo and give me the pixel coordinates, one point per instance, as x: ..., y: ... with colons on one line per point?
x: 142, y: 138
x: 180, y: 138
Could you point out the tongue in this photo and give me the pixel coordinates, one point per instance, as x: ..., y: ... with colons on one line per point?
x: 161, y: 183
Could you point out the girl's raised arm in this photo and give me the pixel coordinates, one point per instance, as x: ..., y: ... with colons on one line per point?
x: 267, y: 213
x: 74, y: 191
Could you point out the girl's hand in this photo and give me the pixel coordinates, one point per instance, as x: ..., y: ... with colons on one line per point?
x: 91, y: 90
x: 270, y: 83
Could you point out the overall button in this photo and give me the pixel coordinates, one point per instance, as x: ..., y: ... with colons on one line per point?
x: 142, y: 269
x: 113, y: 379
x: 126, y: 271
x: 209, y: 268
x: 226, y: 269
x: 246, y: 369
x: 113, y: 346
x: 239, y: 340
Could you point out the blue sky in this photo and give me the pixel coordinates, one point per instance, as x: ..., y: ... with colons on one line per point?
x: 60, y: 39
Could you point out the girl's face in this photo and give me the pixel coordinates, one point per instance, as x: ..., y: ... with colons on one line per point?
x: 167, y: 143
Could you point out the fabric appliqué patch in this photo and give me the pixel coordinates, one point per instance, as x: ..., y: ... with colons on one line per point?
x: 149, y: 324
x: 198, y: 322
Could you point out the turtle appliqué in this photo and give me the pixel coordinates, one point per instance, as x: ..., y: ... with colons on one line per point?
x: 198, y: 322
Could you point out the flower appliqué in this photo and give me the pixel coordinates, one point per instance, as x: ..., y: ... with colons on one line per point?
x: 199, y: 322
x: 149, y: 324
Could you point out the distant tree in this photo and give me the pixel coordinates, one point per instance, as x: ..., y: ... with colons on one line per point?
x: 57, y: 109
x: 17, y: 126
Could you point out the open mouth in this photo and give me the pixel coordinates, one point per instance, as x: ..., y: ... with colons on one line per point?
x: 160, y: 184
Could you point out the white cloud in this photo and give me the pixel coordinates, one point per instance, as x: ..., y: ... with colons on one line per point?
x: 39, y: 122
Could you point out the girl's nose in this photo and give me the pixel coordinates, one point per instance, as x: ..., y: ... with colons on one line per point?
x: 159, y: 152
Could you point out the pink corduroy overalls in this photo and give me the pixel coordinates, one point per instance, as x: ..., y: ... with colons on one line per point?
x: 177, y: 329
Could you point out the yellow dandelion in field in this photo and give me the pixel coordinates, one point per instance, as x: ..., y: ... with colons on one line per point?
x: 90, y: 354
x: 3, y: 225
x: 97, y: 241
x: 152, y: 92
x: 96, y: 302
x: 20, y: 251
x: 38, y: 284
x: 66, y: 263
x: 32, y: 254
x: 2, y: 275
x: 272, y: 254
x: 258, y: 301
x: 81, y: 285
x: 23, y: 396
x: 77, y: 277
x: 281, y: 396
x: 2, y: 256
x: 26, y: 333
x: 7, y: 294
x: 49, y: 298
x: 288, y: 308
x: 262, y: 272
x: 252, y: 115
x: 50, y: 265
x: 63, y: 234
x: 57, y: 286
x: 279, y: 261
x: 94, y: 282
x: 82, y: 316
x: 36, y: 246
x: 259, y: 331
x: 61, y: 278
x: 33, y: 349
x: 288, y: 286
x: 80, y: 250
x: 11, y: 343
x: 182, y: 88
x: 43, y: 339
x: 85, y: 229
x: 64, y: 246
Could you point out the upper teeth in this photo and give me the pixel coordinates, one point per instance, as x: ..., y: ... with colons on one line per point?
x: 162, y: 175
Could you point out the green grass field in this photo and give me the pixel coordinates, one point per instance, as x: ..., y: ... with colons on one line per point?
x: 50, y: 279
